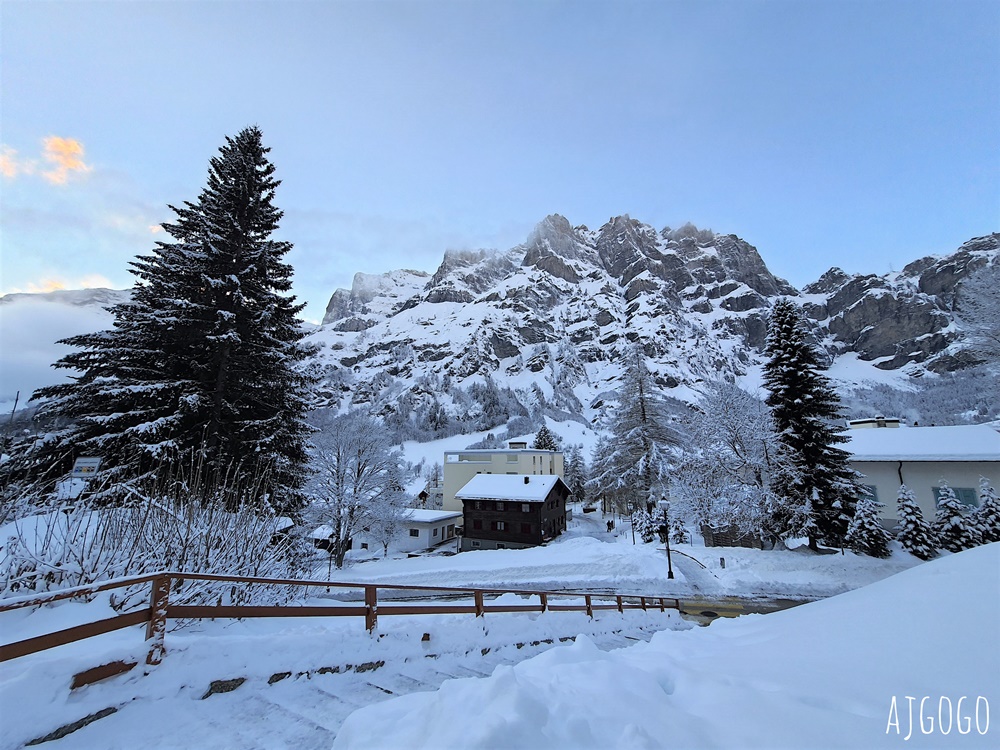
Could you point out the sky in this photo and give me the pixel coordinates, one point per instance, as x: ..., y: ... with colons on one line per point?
x: 857, y: 134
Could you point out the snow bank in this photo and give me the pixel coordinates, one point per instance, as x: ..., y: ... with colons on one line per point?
x: 822, y: 675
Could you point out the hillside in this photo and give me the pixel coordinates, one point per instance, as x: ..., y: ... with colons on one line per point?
x: 541, y: 328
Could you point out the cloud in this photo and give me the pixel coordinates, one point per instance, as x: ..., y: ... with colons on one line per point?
x: 66, y: 157
x: 63, y: 157
x: 54, y: 283
x: 11, y: 165
x: 28, y: 332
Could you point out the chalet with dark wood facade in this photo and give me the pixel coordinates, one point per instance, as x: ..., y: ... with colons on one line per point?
x: 512, y: 511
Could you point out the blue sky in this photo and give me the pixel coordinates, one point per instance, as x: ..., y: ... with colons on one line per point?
x: 858, y: 134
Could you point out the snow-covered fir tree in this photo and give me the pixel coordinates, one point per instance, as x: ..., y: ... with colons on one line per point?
x: 866, y: 535
x: 912, y: 530
x: 951, y: 528
x: 632, y: 467
x: 805, y: 410
x: 986, y: 518
x: 545, y: 440
x: 643, y: 526
x: 576, y: 473
x: 205, y: 358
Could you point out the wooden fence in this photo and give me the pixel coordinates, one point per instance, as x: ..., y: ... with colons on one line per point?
x: 159, y: 609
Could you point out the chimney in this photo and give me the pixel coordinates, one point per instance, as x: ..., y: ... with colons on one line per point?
x: 527, y: 479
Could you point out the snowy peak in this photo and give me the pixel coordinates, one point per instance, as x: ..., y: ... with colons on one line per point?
x: 355, y: 307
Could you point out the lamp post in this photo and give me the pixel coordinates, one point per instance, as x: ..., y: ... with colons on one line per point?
x: 664, y: 506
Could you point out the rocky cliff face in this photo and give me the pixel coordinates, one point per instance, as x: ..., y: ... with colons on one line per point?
x: 555, y: 316
x: 903, y: 319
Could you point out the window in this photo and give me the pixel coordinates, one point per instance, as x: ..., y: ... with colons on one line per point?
x: 512, y: 458
x: 966, y: 496
x: 477, y: 524
x: 525, y: 528
x: 478, y: 505
x: 870, y: 490
x: 525, y: 507
x: 414, y: 532
x: 435, y: 532
x: 501, y: 546
x: 498, y: 525
x: 499, y: 506
x: 364, y: 545
x: 475, y: 543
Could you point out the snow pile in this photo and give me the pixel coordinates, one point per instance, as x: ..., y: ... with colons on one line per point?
x: 822, y: 675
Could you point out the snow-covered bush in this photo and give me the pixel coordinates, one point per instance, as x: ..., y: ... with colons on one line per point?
x: 950, y: 524
x: 865, y: 534
x: 128, y: 530
x: 912, y: 530
x: 986, y: 518
x: 643, y: 525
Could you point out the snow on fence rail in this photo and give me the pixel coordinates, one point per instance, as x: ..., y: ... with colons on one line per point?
x: 159, y: 610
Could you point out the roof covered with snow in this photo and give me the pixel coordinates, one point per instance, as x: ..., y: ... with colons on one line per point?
x: 958, y: 443
x: 419, y: 515
x: 508, y: 487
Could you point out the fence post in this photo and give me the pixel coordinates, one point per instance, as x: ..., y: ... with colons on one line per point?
x: 590, y: 607
x: 642, y: 603
x: 156, y: 628
x: 620, y: 607
x: 371, y: 608
x: 661, y: 605
x: 479, y: 603
x: 545, y: 602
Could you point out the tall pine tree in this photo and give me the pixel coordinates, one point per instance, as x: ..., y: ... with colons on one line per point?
x: 818, y: 482
x: 633, y: 467
x: 202, y: 366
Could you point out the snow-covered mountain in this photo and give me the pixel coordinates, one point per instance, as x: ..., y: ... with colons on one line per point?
x: 554, y: 317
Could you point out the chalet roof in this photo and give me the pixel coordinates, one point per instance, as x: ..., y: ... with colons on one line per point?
x: 420, y: 515
x: 957, y: 443
x: 508, y: 487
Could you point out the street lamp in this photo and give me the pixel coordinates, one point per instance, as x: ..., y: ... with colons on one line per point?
x: 664, y: 531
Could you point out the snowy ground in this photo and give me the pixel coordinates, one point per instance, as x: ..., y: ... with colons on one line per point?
x: 827, y: 674
x: 588, y: 557
x: 307, y: 707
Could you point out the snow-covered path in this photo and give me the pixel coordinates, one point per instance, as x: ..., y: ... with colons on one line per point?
x: 300, y: 682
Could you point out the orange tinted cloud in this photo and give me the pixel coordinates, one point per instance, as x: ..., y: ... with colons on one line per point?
x: 11, y: 165
x: 65, y: 155
x: 53, y: 283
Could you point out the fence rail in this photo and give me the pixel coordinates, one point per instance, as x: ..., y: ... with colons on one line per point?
x: 159, y: 609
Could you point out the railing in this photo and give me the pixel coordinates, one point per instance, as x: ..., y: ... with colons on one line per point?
x: 160, y: 610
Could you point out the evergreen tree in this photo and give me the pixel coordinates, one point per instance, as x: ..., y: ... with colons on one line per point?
x: 203, y: 363
x: 817, y: 480
x: 633, y: 466
x: 986, y: 518
x: 643, y: 525
x: 576, y: 473
x: 865, y: 535
x: 950, y: 525
x: 545, y: 440
x: 912, y: 531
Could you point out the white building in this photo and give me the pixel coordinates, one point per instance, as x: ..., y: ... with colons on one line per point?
x: 923, y: 457
x: 461, y: 466
x: 422, y: 529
